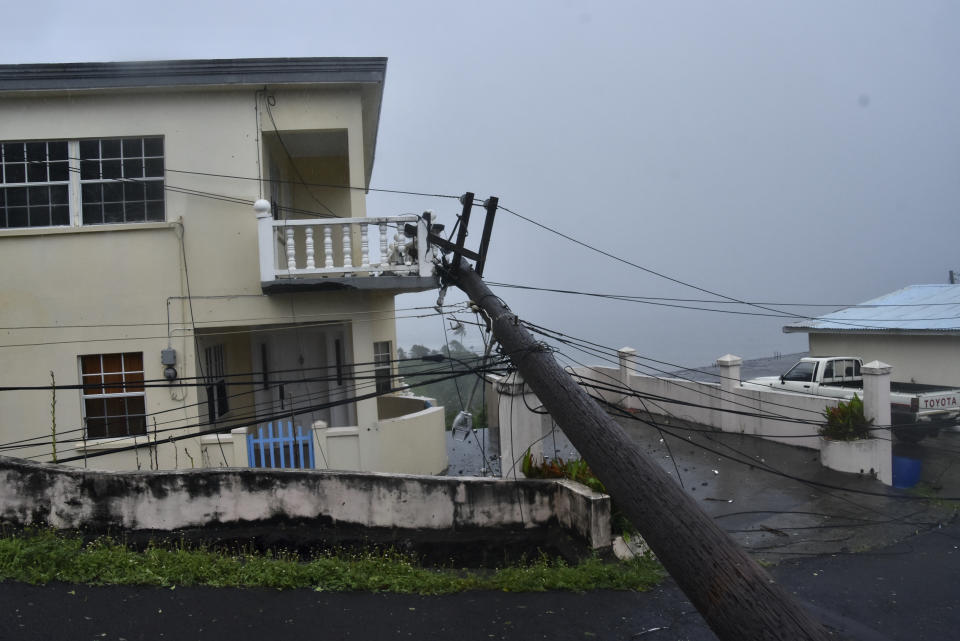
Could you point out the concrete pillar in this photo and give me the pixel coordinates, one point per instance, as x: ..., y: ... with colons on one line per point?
x: 729, y: 366
x: 319, y: 431
x: 628, y: 363
x: 240, y: 455
x: 362, y: 330
x: 628, y: 366
x: 520, y: 427
x: 876, y: 406
x: 492, y: 397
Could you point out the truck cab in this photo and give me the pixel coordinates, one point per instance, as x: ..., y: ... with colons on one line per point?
x: 833, y: 376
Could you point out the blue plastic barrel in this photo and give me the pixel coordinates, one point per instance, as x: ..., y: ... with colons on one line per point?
x: 906, y: 471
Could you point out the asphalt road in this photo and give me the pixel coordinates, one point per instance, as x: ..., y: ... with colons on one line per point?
x: 905, y: 591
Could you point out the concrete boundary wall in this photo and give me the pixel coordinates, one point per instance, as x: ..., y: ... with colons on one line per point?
x: 61, y: 497
x: 708, y: 404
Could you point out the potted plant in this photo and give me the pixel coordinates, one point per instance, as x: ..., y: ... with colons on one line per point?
x: 846, y: 421
x: 845, y: 440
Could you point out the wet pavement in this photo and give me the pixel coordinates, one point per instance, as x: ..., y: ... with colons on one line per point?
x: 777, y: 500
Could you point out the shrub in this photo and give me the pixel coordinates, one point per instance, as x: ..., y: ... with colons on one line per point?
x: 846, y: 421
x: 576, y: 470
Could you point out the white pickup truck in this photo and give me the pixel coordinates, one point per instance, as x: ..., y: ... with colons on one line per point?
x: 918, y: 410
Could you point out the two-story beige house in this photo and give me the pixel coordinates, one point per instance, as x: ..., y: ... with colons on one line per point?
x: 186, y: 251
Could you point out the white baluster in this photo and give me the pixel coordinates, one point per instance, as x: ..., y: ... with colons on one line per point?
x: 309, y: 243
x: 383, y: 243
x: 291, y: 250
x: 347, y: 251
x: 402, y: 246
x: 364, y: 246
x: 327, y: 247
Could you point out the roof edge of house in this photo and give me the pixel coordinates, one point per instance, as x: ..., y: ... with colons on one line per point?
x: 171, y: 73
x: 789, y: 329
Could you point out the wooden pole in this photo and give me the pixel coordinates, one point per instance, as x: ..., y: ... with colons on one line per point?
x: 736, y: 597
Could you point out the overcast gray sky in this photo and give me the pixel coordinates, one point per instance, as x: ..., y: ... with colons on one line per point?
x: 769, y: 151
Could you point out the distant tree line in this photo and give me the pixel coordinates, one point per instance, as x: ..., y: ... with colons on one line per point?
x: 453, y: 393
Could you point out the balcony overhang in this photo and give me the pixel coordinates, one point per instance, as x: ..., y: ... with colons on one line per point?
x: 336, y: 254
x: 398, y: 284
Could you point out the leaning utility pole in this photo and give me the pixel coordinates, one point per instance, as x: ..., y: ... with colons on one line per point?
x: 736, y: 597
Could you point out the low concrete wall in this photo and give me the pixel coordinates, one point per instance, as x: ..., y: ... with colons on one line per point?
x: 395, y: 406
x: 66, y: 498
x: 786, y: 418
x: 412, y: 442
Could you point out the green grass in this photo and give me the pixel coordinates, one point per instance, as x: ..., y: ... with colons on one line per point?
x: 42, y: 556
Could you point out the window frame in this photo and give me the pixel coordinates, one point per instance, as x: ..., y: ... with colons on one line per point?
x: 76, y: 183
x: 383, y: 362
x: 800, y: 366
x: 139, y: 392
x: 214, y: 374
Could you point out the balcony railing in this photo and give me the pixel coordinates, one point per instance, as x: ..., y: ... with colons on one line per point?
x: 339, y: 247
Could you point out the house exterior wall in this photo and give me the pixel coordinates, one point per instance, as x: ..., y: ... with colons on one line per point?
x: 926, y: 359
x: 124, y: 287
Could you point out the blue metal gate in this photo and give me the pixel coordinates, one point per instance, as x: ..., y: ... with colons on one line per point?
x: 280, y: 448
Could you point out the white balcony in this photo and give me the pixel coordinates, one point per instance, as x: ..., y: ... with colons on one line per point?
x: 342, y: 253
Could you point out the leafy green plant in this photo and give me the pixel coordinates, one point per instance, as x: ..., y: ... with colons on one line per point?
x: 576, y: 470
x: 846, y: 421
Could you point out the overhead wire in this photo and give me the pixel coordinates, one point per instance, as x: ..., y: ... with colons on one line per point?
x: 205, y: 333
x: 246, y: 420
x: 336, y: 315
x: 366, y: 381
x: 631, y: 297
x: 656, y: 273
x: 661, y: 302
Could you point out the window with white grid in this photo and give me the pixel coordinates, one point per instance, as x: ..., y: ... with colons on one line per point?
x: 58, y: 183
x: 34, y: 184
x: 121, y: 180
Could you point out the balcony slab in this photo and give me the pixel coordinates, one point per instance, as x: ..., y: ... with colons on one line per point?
x: 402, y: 284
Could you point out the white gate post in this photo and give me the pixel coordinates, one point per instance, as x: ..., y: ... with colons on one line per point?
x: 729, y: 366
x: 876, y: 405
x: 240, y: 454
x: 520, y: 428
x: 318, y: 431
x: 628, y: 366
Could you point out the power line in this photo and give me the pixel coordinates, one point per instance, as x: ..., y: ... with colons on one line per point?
x: 593, y: 347
x: 223, y: 333
x: 327, y: 185
x: 711, y: 300
x: 366, y: 382
x: 660, y: 302
x: 294, y: 409
x: 338, y: 315
x: 774, y: 471
x: 245, y: 421
x: 654, y: 272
